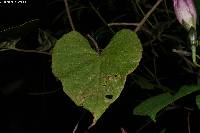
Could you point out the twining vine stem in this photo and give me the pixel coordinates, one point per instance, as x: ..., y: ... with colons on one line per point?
x: 94, y: 43
x: 26, y: 51
x: 123, y: 24
x: 140, y: 24
x: 147, y: 15
x: 99, y: 15
x: 69, y: 15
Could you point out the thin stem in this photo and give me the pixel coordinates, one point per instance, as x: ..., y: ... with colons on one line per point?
x: 76, y: 127
x: 94, y: 43
x: 99, y: 15
x: 138, y: 5
x: 145, y: 125
x: 80, y: 119
x: 188, y: 122
x: 123, y: 24
x: 26, y: 51
x: 181, y: 52
x: 69, y: 15
x: 147, y: 15
x: 42, y: 93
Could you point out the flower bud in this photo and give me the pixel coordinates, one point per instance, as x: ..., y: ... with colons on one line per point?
x: 185, y: 13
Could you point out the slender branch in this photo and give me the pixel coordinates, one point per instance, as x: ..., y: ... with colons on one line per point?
x: 147, y: 15
x: 99, y: 15
x: 42, y: 93
x: 94, y: 43
x: 138, y: 5
x: 79, y: 122
x: 181, y: 52
x: 69, y: 15
x: 26, y: 51
x: 188, y: 122
x: 145, y: 125
x: 189, y: 110
x: 123, y: 24
x: 76, y: 127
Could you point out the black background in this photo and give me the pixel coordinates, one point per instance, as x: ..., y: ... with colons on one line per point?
x: 32, y: 100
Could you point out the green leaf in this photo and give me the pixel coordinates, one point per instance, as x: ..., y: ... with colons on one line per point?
x: 94, y: 80
x: 186, y: 90
x: 198, y: 101
x: 153, y: 105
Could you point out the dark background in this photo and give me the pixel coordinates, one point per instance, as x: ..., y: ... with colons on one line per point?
x: 32, y: 100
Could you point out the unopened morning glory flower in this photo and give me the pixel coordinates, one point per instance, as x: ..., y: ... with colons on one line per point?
x: 185, y: 13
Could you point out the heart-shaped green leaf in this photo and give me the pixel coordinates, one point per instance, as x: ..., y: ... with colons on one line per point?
x: 95, y: 80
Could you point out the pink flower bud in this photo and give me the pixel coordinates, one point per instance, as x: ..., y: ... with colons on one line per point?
x: 185, y: 13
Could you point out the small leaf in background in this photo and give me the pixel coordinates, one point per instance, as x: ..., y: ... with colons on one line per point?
x: 9, y: 44
x: 163, y: 131
x: 197, y: 4
x: 144, y: 83
x: 14, y: 32
x: 153, y: 105
x: 94, y: 80
x: 46, y: 41
x: 198, y: 101
x: 186, y: 90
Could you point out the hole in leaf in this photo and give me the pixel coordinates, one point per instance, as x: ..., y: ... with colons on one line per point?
x: 116, y: 75
x: 109, y: 96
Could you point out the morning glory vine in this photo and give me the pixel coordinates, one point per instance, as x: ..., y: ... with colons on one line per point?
x: 185, y: 12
